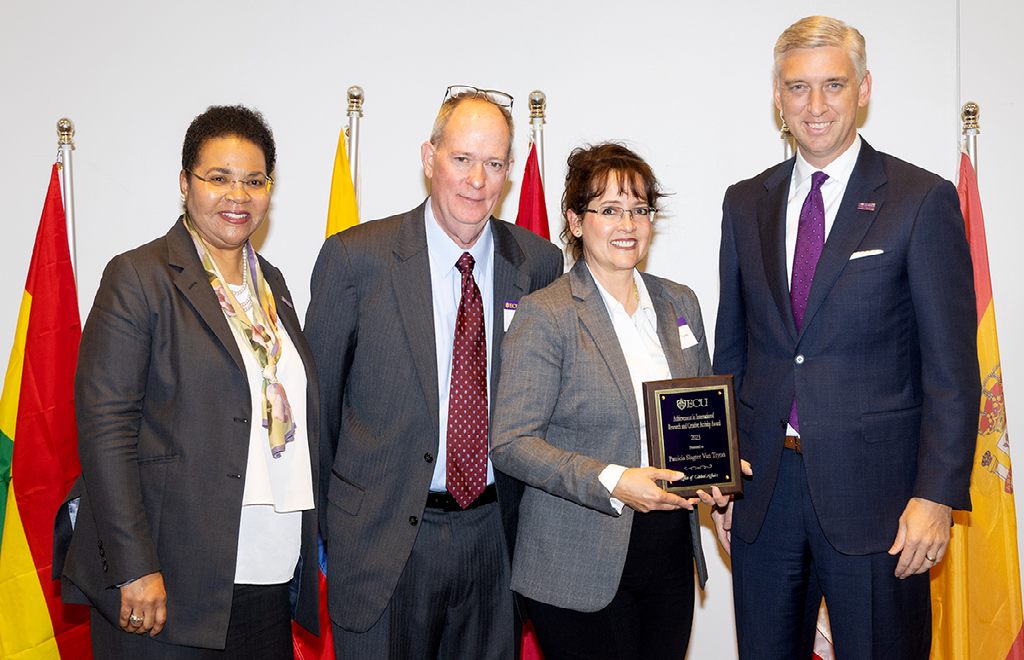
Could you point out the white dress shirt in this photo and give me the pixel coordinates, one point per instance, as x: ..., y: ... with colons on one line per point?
x: 446, y: 292
x: 641, y: 346
x: 277, y: 490
x: 832, y: 191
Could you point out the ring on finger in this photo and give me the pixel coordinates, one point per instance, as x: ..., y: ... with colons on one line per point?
x: 135, y: 620
x: 931, y: 559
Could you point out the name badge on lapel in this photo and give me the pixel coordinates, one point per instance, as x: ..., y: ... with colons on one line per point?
x: 686, y: 338
x: 510, y: 311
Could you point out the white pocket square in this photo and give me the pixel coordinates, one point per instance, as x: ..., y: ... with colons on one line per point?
x: 865, y: 253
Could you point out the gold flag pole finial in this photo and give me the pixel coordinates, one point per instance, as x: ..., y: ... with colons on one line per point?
x: 66, y: 132
x: 538, y: 106
x: 969, y: 116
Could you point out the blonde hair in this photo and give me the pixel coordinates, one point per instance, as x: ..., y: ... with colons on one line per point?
x: 822, y: 31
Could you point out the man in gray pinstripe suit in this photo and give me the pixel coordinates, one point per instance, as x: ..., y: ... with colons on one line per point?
x: 411, y: 572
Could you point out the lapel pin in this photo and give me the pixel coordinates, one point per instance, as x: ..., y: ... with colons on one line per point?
x: 866, y: 206
x: 287, y: 302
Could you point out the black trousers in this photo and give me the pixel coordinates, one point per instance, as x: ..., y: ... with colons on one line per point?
x: 260, y: 629
x: 652, y: 611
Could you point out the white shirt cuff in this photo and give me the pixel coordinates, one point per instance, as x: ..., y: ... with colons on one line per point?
x: 609, y: 478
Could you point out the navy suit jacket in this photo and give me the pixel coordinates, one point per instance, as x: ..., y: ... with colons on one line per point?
x: 884, y: 369
x: 370, y: 326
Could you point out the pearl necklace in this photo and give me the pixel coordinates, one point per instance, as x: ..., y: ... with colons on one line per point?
x: 241, y: 292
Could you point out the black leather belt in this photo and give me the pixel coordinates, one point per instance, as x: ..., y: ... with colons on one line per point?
x: 793, y: 442
x: 446, y: 502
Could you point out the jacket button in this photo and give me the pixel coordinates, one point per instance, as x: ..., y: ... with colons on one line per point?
x: 428, y: 457
x: 413, y: 520
x: 799, y: 359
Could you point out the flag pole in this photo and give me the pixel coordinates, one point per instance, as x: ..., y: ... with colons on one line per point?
x: 969, y: 116
x: 355, y: 111
x: 66, y: 132
x: 538, y: 103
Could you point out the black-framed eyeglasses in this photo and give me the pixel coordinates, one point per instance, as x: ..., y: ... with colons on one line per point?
x: 498, y: 98
x: 258, y: 184
x: 616, y: 213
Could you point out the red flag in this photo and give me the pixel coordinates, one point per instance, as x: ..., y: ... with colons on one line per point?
x: 39, y: 450
x: 308, y: 646
x: 530, y: 649
x: 533, y: 214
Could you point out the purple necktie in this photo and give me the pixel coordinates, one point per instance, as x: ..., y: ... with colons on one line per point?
x: 810, y: 239
x: 466, y: 466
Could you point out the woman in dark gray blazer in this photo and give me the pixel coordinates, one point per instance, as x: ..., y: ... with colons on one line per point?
x: 196, y: 400
x: 604, y: 557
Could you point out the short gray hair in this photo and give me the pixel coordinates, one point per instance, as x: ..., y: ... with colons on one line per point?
x: 822, y: 31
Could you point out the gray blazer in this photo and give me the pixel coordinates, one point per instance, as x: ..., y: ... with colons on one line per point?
x: 164, y: 413
x: 566, y: 410
x: 370, y: 325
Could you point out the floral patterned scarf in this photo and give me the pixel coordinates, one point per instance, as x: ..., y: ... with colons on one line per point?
x: 260, y: 335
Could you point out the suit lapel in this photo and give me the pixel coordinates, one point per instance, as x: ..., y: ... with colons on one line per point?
x: 194, y: 285
x: 597, y: 323
x: 668, y: 329
x: 771, y: 223
x: 410, y: 279
x: 851, y: 224
x: 510, y: 283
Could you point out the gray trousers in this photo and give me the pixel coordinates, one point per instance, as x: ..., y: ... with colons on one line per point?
x: 452, y: 601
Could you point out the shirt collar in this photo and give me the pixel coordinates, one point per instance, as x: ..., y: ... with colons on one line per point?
x: 444, y: 252
x: 646, y: 305
x: 839, y: 169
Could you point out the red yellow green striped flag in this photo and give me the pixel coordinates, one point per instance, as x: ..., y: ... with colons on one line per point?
x: 976, y: 597
x: 39, y: 451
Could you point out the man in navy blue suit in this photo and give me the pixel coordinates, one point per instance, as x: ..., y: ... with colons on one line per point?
x: 847, y: 317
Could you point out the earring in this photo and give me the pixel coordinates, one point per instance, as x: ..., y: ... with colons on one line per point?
x: 785, y: 128
x: 182, y: 198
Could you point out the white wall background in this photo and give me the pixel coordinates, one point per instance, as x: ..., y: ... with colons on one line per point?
x: 686, y: 83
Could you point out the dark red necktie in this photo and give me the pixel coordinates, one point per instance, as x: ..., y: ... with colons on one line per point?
x: 810, y: 239
x: 466, y: 467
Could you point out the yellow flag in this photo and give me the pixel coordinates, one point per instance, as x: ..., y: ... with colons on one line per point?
x: 976, y: 599
x: 342, y: 211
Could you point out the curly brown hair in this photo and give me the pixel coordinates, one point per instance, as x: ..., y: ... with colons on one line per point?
x: 589, y: 172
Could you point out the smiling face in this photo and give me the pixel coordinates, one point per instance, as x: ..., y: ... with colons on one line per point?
x: 467, y: 170
x: 226, y: 219
x: 818, y: 94
x: 612, y: 245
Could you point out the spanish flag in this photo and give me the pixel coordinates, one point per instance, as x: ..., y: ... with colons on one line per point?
x: 342, y: 211
x: 976, y: 597
x: 39, y: 451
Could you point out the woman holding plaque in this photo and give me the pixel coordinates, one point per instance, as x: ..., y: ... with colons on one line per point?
x: 604, y: 556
